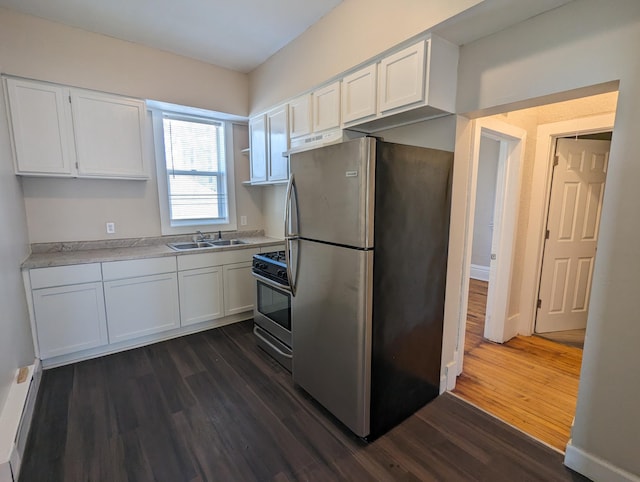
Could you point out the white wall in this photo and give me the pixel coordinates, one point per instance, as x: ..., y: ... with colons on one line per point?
x: 485, y: 202
x: 584, y: 43
x: 351, y: 33
x: 77, y: 209
x: 16, y: 347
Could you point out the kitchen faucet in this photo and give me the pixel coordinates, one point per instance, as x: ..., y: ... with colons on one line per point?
x: 200, y: 236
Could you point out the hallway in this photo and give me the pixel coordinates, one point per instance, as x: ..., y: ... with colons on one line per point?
x: 529, y: 382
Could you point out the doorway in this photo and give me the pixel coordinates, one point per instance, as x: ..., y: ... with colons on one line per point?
x: 510, y: 389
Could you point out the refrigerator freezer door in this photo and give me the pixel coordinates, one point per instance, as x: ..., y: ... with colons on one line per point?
x: 332, y: 330
x: 334, y: 190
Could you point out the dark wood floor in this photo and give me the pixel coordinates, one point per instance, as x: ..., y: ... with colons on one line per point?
x: 214, y: 407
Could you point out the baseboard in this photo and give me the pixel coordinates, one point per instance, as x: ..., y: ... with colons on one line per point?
x: 15, y: 422
x: 594, y: 467
x: 479, y: 272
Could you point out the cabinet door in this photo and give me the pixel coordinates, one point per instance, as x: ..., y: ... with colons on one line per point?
x: 300, y: 116
x: 278, y: 129
x: 109, y: 134
x: 326, y: 107
x: 359, y: 94
x: 402, y: 78
x: 239, y: 288
x: 258, y: 146
x: 201, y: 295
x: 69, y: 318
x: 41, y: 126
x: 141, y: 306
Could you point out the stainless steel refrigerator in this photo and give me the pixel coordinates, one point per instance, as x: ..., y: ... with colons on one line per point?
x: 367, y: 227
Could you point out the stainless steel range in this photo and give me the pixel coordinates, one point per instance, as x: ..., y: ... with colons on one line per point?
x: 272, y: 312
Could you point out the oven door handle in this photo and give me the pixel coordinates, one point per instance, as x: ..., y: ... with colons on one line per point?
x: 275, y: 348
x: 272, y: 283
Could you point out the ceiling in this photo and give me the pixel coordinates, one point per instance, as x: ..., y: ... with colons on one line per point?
x: 237, y: 34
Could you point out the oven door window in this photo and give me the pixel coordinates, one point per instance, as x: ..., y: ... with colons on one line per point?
x: 274, y: 304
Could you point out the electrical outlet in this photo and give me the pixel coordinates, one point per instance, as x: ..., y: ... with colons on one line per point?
x: 111, y: 228
x: 243, y: 220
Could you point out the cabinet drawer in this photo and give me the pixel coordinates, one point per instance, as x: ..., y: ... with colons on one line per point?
x: 138, y: 267
x: 65, y: 275
x: 205, y: 260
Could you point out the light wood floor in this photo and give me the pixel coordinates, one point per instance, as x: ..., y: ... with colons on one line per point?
x: 529, y: 382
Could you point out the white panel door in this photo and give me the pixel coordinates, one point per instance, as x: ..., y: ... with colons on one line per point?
x: 141, y: 306
x: 239, y: 288
x: 278, y: 132
x: 69, y: 318
x: 402, y: 78
x: 109, y: 134
x: 574, y: 219
x: 42, y: 130
x: 359, y: 94
x: 201, y: 295
x: 300, y: 116
x: 326, y: 107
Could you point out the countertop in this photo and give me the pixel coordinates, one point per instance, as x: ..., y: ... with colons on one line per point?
x: 61, y: 254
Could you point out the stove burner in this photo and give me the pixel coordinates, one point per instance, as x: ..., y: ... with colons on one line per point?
x: 272, y: 266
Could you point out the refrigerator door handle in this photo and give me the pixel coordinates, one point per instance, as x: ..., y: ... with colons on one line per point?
x: 291, y: 185
x: 288, y: 236
x: 287, y: 259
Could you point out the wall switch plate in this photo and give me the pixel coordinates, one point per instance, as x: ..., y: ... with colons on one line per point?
x: 243, y: 220
x: 111, y: 228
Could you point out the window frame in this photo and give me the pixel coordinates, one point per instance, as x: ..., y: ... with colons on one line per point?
x: 158, y: 114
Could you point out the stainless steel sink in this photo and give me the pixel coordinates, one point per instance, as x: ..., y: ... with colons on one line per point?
x: 188, y: 246
x: 192, y: 245
x: 227, y: 242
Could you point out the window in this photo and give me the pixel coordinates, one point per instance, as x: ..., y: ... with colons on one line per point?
x: 194, y: 160
x: 195, y: 172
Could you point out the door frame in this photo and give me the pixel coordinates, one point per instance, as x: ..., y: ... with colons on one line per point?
x: 511, y: 156
x: 539, y: 206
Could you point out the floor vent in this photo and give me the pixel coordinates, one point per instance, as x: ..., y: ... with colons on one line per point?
x: 15, y: 420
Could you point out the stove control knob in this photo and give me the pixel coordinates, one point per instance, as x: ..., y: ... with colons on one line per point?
x: 281, y: 273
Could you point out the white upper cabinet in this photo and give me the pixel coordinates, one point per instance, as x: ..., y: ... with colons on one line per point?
x: 300, y: 116
x: 109, y: 133
x: 269, y: 137
x: 402, y: 78
x: 258, y: 148
x: 41, y: 126
x: 67, y: 132
x: 278, y: 141
x: 359, y: 93
x: 326, y: 107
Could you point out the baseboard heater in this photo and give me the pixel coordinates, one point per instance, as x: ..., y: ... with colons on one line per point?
x: 15, y: 420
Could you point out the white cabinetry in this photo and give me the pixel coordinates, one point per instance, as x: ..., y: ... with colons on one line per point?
x: 359, y: 93
x: 109, y: 134
x: 269, y: 137
x: 141, y: 297
x: 412, y: 83
x: 41, y: 127
x: 214, y: 285
x: 402, y: 78
x: 300, y: 116
x: 239, y: 288
x: 326, y: 107
x: 62, y: 131
x: 69, y: 310
x: 258, y: 148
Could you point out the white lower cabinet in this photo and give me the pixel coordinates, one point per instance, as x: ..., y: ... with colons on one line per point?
x: 69, y: 318
x: 86, y: 310
x: 239, y: 288
x: 141, y: 306
x: 201, y: 295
